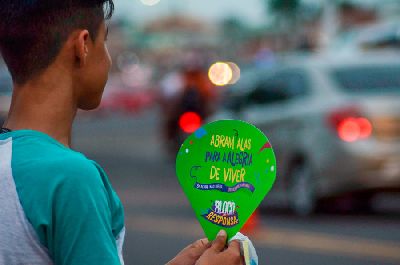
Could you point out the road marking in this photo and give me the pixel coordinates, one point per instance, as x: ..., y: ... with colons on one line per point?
x: 321, y: 243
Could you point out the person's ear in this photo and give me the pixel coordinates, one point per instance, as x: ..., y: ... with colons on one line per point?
x: 82, y: 47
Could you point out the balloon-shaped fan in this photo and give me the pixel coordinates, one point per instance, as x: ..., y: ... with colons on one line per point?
x: 225, y: 168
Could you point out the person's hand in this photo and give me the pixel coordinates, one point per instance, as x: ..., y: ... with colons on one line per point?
x: 190, y: 254
x: 217, y: 254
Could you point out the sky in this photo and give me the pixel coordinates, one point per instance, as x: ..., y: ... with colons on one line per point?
x: 251, y: 11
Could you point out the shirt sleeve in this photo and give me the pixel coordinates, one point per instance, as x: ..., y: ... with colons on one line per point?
x: 81, y: 231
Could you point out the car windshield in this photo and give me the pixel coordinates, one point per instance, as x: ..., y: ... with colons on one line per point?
x: 235, y: 96
x: 368, y: 79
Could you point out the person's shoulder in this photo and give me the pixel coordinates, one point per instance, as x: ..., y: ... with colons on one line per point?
x: 33, y: 148
x: 71, y: 178
x: 72, y: 167
x: 55, y: 165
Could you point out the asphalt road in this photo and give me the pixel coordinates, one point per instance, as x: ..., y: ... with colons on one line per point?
x: 160, y: 221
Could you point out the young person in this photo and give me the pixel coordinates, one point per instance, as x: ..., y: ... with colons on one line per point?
x: 57, y: 206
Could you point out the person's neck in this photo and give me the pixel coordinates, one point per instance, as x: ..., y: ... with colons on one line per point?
x: 46, y: 104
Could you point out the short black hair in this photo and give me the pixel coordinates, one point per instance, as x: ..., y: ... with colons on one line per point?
x: 32, y: 32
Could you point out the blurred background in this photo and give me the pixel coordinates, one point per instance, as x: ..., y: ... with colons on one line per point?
x: 321, y: 78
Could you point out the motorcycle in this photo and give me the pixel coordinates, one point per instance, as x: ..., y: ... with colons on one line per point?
x: 188, y: 115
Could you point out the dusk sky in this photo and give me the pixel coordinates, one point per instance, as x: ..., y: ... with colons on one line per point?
x: 250, y: 10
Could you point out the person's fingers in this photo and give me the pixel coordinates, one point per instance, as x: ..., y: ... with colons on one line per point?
x: 234, y: 252
x: 201, y: 244
x: 219, y: 243
x: 197, y: 248
x: 234, y: 245
x: 205, y: 243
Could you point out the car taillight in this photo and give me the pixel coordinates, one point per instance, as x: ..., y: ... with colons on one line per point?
x: 365, y: 127
x: 190, y: 122
x: 350, y: 125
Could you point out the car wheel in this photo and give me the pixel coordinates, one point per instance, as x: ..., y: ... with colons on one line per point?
x: 302, y: 197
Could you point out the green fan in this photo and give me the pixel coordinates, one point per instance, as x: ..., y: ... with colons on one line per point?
x: 225, y: 168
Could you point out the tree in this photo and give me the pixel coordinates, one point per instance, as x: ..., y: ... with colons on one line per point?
x: 284, y: 6
x: 284, y: 12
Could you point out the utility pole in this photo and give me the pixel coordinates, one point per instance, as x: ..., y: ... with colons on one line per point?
x: 330, y: 22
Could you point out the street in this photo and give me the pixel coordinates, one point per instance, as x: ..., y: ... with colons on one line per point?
x: 160, y: 222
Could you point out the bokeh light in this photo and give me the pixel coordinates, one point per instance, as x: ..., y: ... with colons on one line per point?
x: 150, y: 2
x: 353, y: 129
x: 128, y: 62
x: 365, y: 127
x: 220, y: 74
x: 235, y: 73
x: 349, y: 130
x: 190, y: 122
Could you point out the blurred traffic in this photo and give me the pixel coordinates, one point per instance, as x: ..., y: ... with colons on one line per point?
x: 320, y: 78
x: 334, y: 123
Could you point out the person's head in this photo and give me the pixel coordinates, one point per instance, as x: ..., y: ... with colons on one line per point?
x: 35, y: 34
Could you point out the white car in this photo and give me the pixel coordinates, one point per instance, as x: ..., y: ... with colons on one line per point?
x: 380, y: 36
x: 334, y: 124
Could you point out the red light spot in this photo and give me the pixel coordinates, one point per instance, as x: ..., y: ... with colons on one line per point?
x: 365, y: 127
x: 190, y: 122
x: 349, y: 130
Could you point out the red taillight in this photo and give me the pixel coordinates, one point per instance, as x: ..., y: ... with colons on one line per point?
x: 365, y: 127
x: 350, y: 125
x: 349, y: 130
x: 190, y: 122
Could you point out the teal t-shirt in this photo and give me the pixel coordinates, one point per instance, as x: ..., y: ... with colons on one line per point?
x: 67, y: 199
